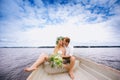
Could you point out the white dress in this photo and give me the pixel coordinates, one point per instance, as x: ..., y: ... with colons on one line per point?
x: 59, y: 52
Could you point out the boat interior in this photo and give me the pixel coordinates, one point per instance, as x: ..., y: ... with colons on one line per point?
x: 84, y: 69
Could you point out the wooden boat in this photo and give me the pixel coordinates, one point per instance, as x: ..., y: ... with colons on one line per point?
x: 85, y: 70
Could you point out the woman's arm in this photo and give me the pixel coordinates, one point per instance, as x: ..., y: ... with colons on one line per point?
x: 55, y: 50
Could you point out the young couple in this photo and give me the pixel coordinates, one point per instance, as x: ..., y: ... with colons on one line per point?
x: 62, y: 46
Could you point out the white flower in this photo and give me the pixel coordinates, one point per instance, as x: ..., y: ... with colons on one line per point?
x: 56, y: 60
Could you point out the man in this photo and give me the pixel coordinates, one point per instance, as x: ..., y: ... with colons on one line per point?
x: 69, y: 56
x: 69, y: 49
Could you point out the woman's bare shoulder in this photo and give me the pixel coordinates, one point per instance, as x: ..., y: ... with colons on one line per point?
x: 55, y: 49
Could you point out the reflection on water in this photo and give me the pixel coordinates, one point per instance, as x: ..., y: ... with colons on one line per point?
x: 14, y: 60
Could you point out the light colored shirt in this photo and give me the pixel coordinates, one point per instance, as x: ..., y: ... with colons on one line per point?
x: 69, y: 50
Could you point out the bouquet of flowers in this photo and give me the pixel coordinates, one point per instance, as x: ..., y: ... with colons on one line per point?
x: 56, y: 60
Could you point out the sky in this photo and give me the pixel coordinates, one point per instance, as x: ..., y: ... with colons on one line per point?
x: 40, y: 22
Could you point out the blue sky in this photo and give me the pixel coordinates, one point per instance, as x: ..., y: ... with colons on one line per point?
x: 40, y: 22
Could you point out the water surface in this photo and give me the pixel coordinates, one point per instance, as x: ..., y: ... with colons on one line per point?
x: 14, y: 60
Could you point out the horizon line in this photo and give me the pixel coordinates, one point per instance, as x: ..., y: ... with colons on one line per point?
x: 54, y: 46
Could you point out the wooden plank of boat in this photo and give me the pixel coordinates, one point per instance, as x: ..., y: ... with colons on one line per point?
x: 86, y: 70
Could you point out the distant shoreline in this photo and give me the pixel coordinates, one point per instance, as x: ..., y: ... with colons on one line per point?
x: 73, y: 46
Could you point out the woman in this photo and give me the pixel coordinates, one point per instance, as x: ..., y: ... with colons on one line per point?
x: 59, y: 48
x: 44, y: 57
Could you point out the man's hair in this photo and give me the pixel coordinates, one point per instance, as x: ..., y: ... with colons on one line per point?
x: 67, y: 39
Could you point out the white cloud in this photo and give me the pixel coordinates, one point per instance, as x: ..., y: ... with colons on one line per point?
x: 28, y: 25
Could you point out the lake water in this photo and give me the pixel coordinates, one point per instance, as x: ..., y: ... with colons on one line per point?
x: 14, y: 60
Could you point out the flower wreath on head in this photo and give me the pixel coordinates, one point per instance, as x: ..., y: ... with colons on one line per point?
x: 56, y: 60
x: 59, y: 38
